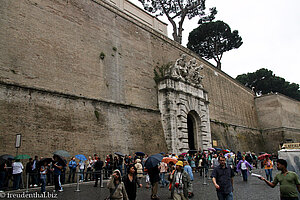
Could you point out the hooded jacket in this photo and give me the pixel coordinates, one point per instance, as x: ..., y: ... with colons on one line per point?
x: 139, y: 168
x: 120, y: 192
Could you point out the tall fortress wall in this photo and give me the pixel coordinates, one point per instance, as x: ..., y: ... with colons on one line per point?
x: 59, y: 94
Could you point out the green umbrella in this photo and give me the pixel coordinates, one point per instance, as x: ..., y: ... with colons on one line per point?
x: 23, y: 156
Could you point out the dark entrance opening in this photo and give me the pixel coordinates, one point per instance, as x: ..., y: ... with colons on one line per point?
x: 191, y: 136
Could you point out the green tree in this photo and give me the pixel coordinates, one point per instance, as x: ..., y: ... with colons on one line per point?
x: 178, y: 9
x: 263, y: 81
x: 212, y: 39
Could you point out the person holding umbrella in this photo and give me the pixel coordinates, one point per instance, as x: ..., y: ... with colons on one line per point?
x: 152, y: 165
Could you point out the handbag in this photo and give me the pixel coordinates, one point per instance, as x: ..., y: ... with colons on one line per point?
x: 110, y: 195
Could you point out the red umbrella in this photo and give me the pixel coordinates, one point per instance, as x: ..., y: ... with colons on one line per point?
x: 261, y: 157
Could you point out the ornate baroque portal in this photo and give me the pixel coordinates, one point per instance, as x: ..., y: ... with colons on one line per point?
x: 183, y: 104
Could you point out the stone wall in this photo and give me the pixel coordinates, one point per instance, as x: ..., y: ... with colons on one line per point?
x: 279, y: 117
x: 238, y: 138
x: 50, y: 121
x: 55, y: 46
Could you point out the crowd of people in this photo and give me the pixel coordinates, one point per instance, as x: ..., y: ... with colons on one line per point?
x: 125, y: 172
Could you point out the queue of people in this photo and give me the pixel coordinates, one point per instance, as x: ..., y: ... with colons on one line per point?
x: 177, y: 173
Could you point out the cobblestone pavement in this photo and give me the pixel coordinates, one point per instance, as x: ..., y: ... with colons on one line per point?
x: 254, y: 189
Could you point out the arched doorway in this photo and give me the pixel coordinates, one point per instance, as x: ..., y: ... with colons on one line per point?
x: 192, y: 131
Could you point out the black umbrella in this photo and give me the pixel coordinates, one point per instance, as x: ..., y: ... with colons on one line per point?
x: 119, y: 154
x: 2, y: 161
x: 140, y: 153
x: 153, y: 160
x: 61, y: 160
x: 47, y: 160
x: 192, y: 151
x: 62, y: 153
x: 7, y: 157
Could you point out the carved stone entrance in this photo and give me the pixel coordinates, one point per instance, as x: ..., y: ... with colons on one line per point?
x: 184, y: 107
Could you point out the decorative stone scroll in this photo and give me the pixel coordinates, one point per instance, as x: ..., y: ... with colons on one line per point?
x: 187, y: 71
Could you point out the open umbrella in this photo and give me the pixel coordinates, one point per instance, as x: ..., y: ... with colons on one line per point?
x: 47, y: 160
x: 226, y: 155
x: 263, y: 156
x: 61, y: 160
x: 81, y: 157
x: 225, y: 150
x: 218, y: 149
x: 62, y: 153
x: 168, y: 160
x: 119, y: 154
x: 192, y: 151
x: 23, y: 156
x: 7, y: 157
x: 211, y: 149
x: 140, y: 153
x: 153, y: 160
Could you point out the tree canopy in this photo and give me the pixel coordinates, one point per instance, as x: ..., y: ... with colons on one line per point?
x: 263, y: 81
x: 212, y: 39
x: 180, y: 9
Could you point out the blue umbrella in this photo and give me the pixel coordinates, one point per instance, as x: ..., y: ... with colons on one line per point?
x: 80, y: 157
x: 153, y: 160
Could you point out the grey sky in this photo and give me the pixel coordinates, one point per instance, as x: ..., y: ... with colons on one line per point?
x: 271, y: 34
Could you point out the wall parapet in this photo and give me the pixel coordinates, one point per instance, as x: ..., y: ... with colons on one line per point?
x: 139, y: 14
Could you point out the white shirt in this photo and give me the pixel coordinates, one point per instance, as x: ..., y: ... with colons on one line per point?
x: 178, y: 179
x: 81, y: 165
x: 17, y: 167
x: 243, y: 166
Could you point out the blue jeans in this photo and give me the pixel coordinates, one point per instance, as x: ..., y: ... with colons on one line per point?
x: 17, y: 179
x: 245, y: 174
x: 269, y: 174
x: 81, y: 174
x: 163, y: 181
x: 222, y: 196
x: 43, y: 181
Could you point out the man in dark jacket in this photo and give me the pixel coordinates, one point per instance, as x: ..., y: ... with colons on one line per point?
x: 154, y: 179
x: 29, y: 171
x: 222, y: 177
x: 98, y: 166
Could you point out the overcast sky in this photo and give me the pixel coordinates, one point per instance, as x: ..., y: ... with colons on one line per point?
x: 271, y: 35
